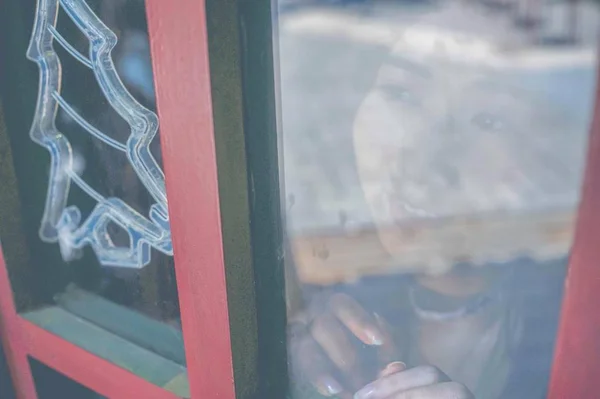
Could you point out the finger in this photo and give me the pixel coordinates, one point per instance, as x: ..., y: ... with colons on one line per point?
x: 333, y: 338
x: 326, y: 385
x: 402, y: 381
x: 314, y: 365
x: 387, y: 352
x: 445, y: 390
x: 356, y: 319
x: 392, y: 368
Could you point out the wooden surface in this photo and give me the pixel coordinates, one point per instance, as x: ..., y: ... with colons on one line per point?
x: 435, y: 245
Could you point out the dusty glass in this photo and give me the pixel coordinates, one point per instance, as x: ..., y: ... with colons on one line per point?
x: 433, y: 154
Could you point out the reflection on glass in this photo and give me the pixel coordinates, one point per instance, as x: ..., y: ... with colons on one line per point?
x: 433, y: 158
x: 98, y: 248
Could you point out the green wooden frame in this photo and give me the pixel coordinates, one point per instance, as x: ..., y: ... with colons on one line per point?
x: 244, y: 110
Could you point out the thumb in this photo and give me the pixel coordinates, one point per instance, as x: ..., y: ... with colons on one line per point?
x: 392, y: 368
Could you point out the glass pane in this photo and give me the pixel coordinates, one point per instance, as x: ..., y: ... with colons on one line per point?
x: 6, y: 385
x: 50, y: 384
x: 88, y: 241
x: 433, y: 154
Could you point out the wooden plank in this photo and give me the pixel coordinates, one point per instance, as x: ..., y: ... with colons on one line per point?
x: 436, y: 245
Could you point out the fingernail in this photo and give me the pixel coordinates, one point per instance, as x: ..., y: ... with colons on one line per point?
x: 368, y: 392
x: 373, y: 336
x: 329, y: 387
x: 393, y: 368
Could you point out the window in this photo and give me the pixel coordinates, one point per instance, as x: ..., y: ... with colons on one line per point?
x: 433, y: 156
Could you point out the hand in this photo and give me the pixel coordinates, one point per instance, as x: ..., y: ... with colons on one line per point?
x: 323, y: 344
x: 424, y: 382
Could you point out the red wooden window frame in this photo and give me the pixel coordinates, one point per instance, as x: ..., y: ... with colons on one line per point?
x: 577, y: 350
x: 179, y: 43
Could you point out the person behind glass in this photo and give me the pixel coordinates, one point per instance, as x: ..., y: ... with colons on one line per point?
x: 441, y: 134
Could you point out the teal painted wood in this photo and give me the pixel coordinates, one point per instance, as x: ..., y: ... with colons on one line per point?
x: 158, y: 337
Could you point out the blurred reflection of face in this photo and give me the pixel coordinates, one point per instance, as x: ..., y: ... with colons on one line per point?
x: 440, y: 134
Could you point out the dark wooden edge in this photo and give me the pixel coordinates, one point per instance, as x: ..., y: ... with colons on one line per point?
x: 576, y: 364
x: 257, y: 22
x: 227, y: 102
